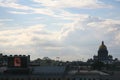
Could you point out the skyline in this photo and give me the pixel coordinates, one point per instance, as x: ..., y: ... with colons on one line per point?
x: 71, y: 29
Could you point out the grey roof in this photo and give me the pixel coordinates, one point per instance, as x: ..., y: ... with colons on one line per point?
x: 48, y: 70
x: 45, y: 70
x: 87, y: 72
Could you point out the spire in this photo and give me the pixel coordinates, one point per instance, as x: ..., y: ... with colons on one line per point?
x: 102, y: 42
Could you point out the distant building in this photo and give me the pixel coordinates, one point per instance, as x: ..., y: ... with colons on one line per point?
x: 17, y: 68
x: 14, y: 64
x: 58, y: 73
x: 102, y: 55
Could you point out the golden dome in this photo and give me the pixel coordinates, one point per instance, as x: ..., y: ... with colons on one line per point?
x: 102, y: 46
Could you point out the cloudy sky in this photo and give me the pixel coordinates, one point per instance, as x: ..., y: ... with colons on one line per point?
x: 69, y: 29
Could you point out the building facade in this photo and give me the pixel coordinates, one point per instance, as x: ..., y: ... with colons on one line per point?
x: 17, y: 68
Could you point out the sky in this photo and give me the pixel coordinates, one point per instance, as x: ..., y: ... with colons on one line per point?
x: 68, y: 29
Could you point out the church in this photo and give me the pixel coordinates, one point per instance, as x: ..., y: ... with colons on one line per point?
x: 102, y: 55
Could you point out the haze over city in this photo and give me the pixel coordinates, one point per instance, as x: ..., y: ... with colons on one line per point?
x: 68, y: 29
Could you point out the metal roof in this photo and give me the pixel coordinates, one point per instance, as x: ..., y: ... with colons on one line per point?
x: 48, y: 69
x: 86, y: 72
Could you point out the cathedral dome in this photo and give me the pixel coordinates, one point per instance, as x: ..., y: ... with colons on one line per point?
x: 102, y: 46
x: 102, y: 52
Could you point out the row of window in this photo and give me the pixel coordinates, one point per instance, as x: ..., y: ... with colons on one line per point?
x: 51, y: 79
x: 86, y: 79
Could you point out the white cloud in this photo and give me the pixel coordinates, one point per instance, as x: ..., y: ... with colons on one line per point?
x: 76, y: 38
x: 117, y: 39
x: 84, y: 33
x: 80, y: 31
x: 72, y: 3
x: 44, y: 11
x: 65, y: 15
x: 1, y: 24
x: 108, y: 24
x: 25, y: 36
x: 8, y: 1
x: 17, y: 12
x: 26, y: 9
x: 52, y: 8
x: 13, y: 4
x: 2, y: 20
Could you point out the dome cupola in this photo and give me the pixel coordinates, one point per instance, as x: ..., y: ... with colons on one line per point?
x: 102, y: 46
